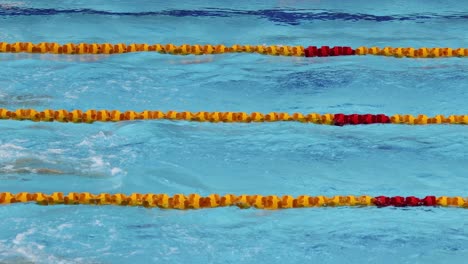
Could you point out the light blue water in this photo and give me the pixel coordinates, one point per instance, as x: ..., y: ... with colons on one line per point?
x: 276, y: 158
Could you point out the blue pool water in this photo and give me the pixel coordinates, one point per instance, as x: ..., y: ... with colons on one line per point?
x: 269, y: 158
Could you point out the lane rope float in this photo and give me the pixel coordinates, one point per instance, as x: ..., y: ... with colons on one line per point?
x: 90, y: 116
x: 274, y: 50
x: 195, y: 201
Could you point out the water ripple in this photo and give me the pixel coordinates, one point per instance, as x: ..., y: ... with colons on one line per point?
x: 288, y: 16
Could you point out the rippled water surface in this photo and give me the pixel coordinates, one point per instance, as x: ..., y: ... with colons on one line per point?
x: 270, y: 158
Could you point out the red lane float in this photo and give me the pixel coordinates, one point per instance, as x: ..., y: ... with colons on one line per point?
x: 325, y: 51
x: 399, y: 201
x: 356, y: 119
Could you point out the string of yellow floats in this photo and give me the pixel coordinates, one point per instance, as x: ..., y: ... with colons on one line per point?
x: 108, y: 48
x: 195, y: 201
x: 186, y: 49
x: 400, y: 52
x: 90, y: 116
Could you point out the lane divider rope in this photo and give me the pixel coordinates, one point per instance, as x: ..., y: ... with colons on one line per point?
x: 89, y: 116
x: 195, y: 201
x: 186, y: 49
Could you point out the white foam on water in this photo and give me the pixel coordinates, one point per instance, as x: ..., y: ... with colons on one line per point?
x: 89, y: 141
x: 8, y: 168
x: 85, y: 142
x: 56, y: 151
x: 12, y: 5
x: 63, y: 226
x: 59, y: 233
x: 98, y: 166
x: 21, y: 236
x: 10, y: 146
x: 29, y: 250
x: 22, y: 250
x: 67, y: 95
x: 9, y: 150
x: 115, y: 171
x: 98, y: 162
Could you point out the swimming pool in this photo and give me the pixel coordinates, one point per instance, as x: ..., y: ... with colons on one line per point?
x: 255, y: 158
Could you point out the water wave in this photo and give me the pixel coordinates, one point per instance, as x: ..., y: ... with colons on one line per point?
x: 288, y: 16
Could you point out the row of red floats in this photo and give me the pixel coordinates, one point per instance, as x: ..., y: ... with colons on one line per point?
x: 356, y: 119
x: 325, y: 51
x: 400, y: 201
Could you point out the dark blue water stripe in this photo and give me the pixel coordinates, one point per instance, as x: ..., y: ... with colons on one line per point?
x: 276, y: 15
